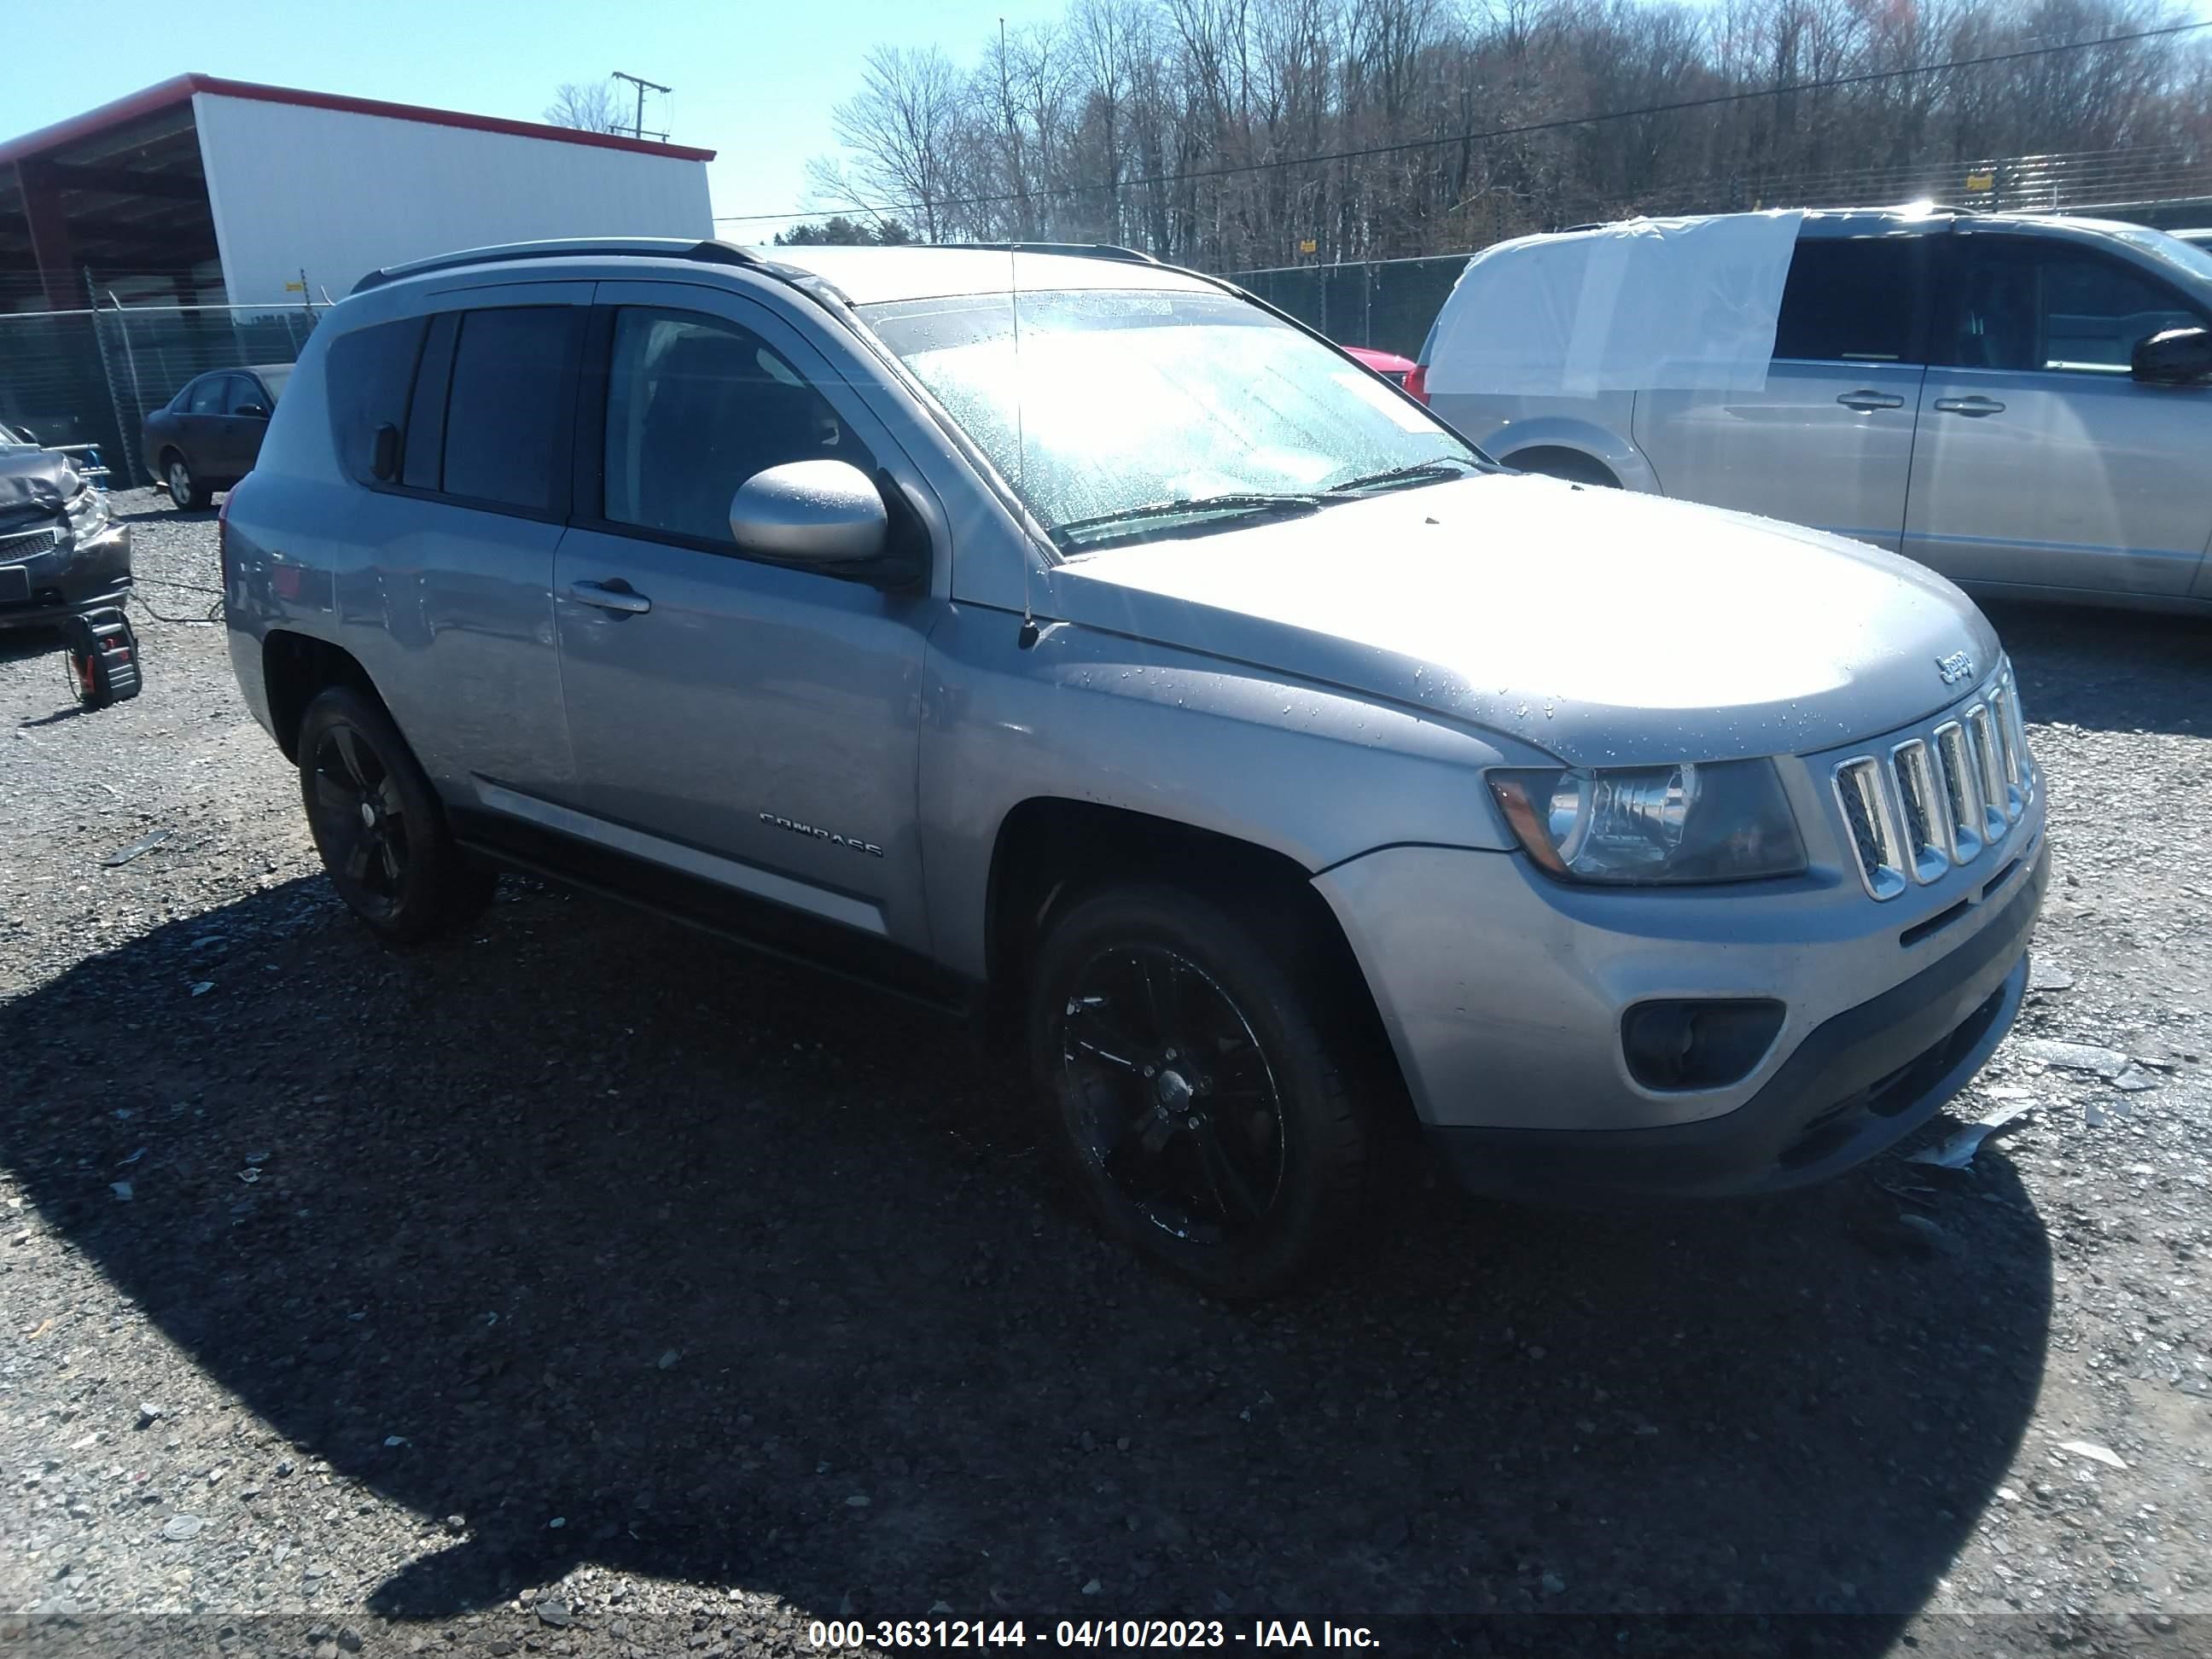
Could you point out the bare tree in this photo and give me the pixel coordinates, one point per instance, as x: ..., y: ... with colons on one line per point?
x: 900, y: 129
x: 587, y: 105
x: 1243, y: 133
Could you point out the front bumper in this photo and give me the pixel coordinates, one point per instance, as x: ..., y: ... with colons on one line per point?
x: 1858, y: 1083
x: 77, y: 575
x: 1505, y: 995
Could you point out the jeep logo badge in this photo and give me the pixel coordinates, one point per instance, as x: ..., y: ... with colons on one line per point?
x: 1955, y: 667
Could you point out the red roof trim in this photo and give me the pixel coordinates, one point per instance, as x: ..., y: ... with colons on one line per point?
x: 180, y: 89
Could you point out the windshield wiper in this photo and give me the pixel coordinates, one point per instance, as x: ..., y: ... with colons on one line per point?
x: 1444, y: 466
x: 1235, y: 504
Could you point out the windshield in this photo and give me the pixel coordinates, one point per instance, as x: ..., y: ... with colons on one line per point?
x: 274, y: 376
x: 1140, y: 413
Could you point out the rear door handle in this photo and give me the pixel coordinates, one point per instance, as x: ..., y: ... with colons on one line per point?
x: 1864, y: 401
x: 608, y: 595
x: 1969, y: 405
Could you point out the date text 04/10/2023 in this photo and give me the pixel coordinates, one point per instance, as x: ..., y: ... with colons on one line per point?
x: 1154, y: 1633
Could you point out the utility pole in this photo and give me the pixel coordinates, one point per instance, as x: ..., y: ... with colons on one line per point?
x: 643, y: 86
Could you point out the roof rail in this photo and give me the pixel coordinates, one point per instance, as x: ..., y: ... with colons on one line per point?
x: 649, y: 247
x: 1073, y: 250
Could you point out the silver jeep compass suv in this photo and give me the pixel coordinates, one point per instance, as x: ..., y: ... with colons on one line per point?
x: 1064, y: 637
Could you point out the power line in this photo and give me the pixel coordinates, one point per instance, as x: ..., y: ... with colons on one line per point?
x: 1523, y: 129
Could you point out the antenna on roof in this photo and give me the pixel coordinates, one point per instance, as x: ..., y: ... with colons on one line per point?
x: 1028, y: 634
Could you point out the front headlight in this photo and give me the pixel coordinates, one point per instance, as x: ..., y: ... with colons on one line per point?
x: 88, y: 511
x: 1727, y: 821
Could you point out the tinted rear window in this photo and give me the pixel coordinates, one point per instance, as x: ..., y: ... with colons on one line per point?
x: 368, y: 373
x: 1849, y: 300
x: 508, y: 410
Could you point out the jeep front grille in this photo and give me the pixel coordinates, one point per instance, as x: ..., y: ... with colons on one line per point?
x: 1933, y: 800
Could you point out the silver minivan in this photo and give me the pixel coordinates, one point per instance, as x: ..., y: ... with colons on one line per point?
x: 2022, y: 403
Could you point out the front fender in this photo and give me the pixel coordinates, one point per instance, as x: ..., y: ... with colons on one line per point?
x: 1591, y: 438
x: 1314, y: 773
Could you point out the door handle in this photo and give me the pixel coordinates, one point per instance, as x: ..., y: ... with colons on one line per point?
x: 1866, y: 401
x: 1969, y: 405
x: 608, y: 597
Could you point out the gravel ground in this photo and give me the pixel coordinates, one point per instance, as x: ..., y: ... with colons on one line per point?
x: 588, y: 1285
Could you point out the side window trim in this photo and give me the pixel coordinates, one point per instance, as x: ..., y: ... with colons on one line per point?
x: 1918, y: 325
x: 560, y: 466
x: 588, y: 469
x: 2033, y: 250
x: 426, y: 409
x: 589, y: 497
x: 852, y: 390
x: 430, y: 388
x: 1916, y: 322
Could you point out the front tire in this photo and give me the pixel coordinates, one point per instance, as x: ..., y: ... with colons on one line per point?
x: 186, y: 492
x: 1195, y: 1090
x: 377, y: 825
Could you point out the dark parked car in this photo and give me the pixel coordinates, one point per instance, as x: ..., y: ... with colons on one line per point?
x: 207, y: 437
x: 60, y: 555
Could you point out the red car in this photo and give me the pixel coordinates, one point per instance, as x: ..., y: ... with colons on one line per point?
x: 1399, y: 371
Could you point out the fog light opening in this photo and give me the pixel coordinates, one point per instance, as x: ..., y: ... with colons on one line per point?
x: 1673, y: 1045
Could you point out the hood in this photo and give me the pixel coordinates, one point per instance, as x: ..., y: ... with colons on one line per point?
x: 33, y: 483
x: 1600, y: 626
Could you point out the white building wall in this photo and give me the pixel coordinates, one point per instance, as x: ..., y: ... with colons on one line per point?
x: 340, y: 194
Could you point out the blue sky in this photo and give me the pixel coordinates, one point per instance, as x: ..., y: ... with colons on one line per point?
x: 753, y: 80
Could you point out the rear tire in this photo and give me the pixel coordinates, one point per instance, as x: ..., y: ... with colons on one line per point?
x: 377, y: 825
x: 186, y: 490
x: 1195, y: 1089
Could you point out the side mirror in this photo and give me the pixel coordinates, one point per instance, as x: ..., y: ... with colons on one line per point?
x: 252, y: 411
x: 2179, y: 356
x: 811, y: 513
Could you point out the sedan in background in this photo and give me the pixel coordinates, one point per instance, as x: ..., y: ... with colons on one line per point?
x: 208, y: 436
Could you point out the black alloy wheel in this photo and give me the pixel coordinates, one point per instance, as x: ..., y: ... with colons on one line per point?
x: 360, y: 819
x: 1188, y: 1053
x: 377, y: 823
x: 1179, y: 1109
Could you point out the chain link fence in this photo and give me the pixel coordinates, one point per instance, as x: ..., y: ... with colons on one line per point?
x: 93, y: 376
x: 1387, y: 304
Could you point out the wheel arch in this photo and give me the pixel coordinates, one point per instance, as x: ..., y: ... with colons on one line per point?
x: 295, y: 668
x: 1051, y: 850
x: 1594, y: 441
x: 1557, y: 461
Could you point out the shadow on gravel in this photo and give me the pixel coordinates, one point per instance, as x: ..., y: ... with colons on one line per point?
x: 156, y: 506
x: 747, y: 1277
x: 20, y: 644
x: 2110, y: 670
